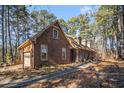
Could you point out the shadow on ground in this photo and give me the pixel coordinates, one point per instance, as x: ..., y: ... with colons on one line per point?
x: 28, y: 77
x: 111, y: 76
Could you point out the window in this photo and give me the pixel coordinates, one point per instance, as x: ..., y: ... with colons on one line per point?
x: 44, y: 52
x: 55, y: 34
x: 63, y: 53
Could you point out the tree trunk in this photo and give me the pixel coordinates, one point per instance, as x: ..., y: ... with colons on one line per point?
x: 3, y: 52
x: 117, y: 46
x: 123, y: 25
x: 104, y: 43
x: 18, y: 36
x: 11, y: 52
x: 120, y: 32
x: 15, y: 55
x: 6, y: 38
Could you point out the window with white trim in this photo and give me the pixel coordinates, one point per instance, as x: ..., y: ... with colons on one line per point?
x: 44, y: 52
x: 63, y: 53
x: 55, y: 34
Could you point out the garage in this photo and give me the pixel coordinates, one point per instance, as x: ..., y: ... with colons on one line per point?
x: 27, y: 59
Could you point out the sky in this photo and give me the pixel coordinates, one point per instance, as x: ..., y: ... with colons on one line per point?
x: 65, y: 11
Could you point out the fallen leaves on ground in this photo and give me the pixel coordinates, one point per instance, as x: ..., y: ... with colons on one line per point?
x: 20, y: 74
x: 104, y: 74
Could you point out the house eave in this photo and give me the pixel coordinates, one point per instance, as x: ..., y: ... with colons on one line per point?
x: 26, y: 43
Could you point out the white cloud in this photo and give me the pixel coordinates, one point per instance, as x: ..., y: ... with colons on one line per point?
x: 87, y: 8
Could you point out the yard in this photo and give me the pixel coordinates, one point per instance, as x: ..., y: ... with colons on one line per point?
x: 14, y: 74
x: 104, y: 74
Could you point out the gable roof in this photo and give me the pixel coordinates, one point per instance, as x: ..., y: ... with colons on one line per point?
x: 70, y: 39
x: 41, y: 32
x: 75, y: 44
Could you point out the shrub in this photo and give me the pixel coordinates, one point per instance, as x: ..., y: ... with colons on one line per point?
x: 45, y: 65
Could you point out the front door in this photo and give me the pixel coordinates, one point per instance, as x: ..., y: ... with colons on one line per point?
x: 73, y: 55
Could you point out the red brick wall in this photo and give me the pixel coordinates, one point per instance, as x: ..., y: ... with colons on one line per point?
x: 54, y: 47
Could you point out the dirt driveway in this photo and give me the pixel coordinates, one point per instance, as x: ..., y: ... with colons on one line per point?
x: 106, y: 74
x: 15, y: 74
x: 103, y: 75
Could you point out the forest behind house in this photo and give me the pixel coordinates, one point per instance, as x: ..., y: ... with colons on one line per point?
x: 104, y: 28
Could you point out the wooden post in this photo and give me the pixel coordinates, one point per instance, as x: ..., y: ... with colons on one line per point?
x: 32, y: 55
x: 22, y: 59
x: 77, y: 58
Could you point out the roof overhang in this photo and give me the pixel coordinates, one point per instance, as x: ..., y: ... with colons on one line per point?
x: 25, y: 44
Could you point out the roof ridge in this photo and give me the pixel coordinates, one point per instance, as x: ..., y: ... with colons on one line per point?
x: 40, y: 32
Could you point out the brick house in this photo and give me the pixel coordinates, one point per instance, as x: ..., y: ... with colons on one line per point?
x: 52, y: 46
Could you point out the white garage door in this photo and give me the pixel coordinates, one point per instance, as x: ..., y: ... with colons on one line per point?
x: 27, y: 61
